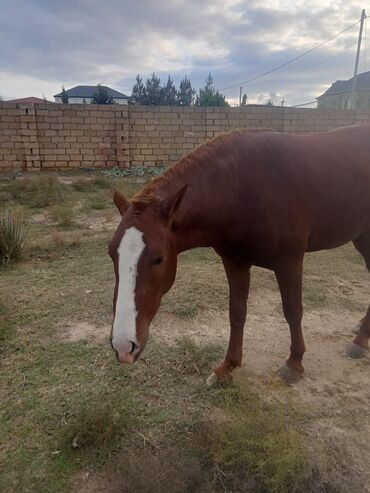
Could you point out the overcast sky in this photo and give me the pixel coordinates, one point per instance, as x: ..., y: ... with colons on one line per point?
x: 47, y: 43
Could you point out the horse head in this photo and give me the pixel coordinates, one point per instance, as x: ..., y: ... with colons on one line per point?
x: 143, y: 251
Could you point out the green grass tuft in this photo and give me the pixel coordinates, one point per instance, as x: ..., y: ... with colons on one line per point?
x: 13, y: 230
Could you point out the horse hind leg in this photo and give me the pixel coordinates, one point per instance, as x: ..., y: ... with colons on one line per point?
x: 360, y: 345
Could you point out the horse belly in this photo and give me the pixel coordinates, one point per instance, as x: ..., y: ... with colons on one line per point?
x: 339, y: 229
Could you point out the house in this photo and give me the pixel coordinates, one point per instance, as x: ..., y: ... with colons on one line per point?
x: 31, y: 99
x: 83, y: 95
x: 339, y: 94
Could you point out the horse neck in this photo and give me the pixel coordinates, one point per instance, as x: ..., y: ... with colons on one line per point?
x: 194, y: 223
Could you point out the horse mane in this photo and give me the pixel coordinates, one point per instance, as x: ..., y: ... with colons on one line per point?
x: 205, y: 154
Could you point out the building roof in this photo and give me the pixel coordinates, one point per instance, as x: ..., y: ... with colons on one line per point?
x: 343, y: 86
x: 88, y: 91
x: 31, y: 99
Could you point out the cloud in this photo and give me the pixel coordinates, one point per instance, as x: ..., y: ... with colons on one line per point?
x: 45, y: 44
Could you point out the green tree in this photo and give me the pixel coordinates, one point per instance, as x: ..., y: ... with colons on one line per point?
x: 208, y: 96
x: 186, y: 93
x: 101, y: 96
x: 64, y: 96
x: 153, y: 91
x: 244, y: 100
x: 138, y: 95
x: 270, y: 102
x: 169, y: 93
x: 1, y: 98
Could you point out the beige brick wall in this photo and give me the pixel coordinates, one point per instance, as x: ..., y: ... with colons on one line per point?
x: 64, y: 137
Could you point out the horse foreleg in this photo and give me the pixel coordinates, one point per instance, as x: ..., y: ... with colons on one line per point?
x: 289, y: 277
x: 238, y: 278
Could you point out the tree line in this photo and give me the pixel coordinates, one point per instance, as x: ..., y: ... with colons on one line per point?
x: 153, y: 93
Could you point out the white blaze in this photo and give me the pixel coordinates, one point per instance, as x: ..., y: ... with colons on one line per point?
x: 129, y: 253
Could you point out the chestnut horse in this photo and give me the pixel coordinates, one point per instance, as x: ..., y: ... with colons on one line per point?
x: 256, y: 198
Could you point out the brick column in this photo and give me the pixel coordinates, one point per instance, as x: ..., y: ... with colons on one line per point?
x: 122, y: 136
x: 29, y: 134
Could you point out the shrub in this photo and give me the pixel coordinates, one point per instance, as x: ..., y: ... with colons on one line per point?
x: 41, y: 191
x: 134, y: 171
x: 62, y: 214
x: 13, y: 230
x: 97, y: 201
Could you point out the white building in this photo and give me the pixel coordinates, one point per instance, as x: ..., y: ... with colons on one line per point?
x: 83, y: 95
x: 339, y: 94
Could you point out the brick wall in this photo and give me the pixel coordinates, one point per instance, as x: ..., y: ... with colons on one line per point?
x: 63, y: 137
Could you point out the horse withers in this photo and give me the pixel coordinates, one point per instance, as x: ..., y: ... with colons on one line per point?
x: 256, y: 198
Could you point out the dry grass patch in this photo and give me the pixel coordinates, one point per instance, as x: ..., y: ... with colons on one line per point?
x: 37, y: 191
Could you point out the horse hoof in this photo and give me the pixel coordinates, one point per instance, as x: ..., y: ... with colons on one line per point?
x: 289, y: 375
x: 356, y: 330
x: 355, y: 351
x: 212, y: 380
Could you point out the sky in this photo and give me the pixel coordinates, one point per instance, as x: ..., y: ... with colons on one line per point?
x: 45, y: 44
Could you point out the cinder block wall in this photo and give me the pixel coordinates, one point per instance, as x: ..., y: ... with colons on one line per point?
x: 64, y: 137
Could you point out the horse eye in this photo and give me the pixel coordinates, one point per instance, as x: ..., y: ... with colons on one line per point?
x: 158, y: 261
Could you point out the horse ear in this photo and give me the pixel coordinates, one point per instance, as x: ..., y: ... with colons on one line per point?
x: 120, y: 202
x: 170, y: 205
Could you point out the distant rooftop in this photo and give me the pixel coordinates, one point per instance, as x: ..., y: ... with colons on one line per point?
x: 343, y: 86
x: 88, y: 91
x: 31, y: 99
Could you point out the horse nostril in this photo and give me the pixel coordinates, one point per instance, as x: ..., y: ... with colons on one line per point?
x: 133, y: 347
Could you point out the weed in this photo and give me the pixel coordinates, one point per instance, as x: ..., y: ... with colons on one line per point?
x: 58, y: 239
x: 62, y: 214
x: 101, y: 182
x: 76, y: 239
x: 98, y: 201
x: 36, y: 192
x: 13, y: 230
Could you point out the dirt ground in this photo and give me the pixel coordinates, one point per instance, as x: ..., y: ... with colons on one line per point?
x: 334, y: 391
x: 335, y: 387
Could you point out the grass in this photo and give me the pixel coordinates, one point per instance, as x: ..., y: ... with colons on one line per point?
x: 258, y: 445
x: 91, y: 185
x: 98, y: 201
x: 13, y: 231
x: 69, y: 410
x: 37, y: 192
x: 62, y: 214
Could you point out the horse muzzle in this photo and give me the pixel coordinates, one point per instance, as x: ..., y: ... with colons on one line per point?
x: 127, y: 352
